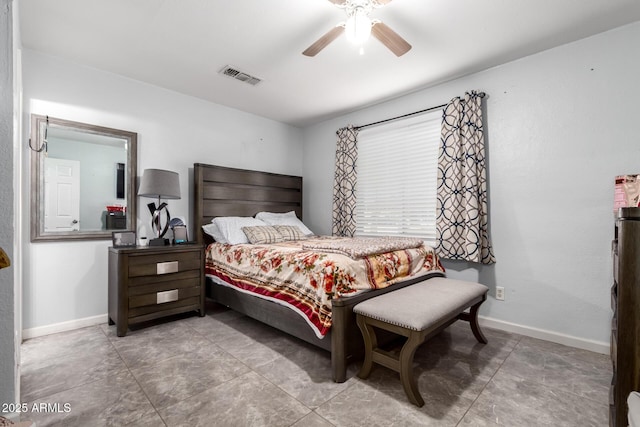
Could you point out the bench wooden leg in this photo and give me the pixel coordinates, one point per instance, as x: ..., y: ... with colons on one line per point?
x: 370, y: 343
x: 475, y: 327
x: 472, y: 318
x: 406, y: 368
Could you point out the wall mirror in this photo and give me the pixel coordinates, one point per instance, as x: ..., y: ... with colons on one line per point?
x: 82, y: 180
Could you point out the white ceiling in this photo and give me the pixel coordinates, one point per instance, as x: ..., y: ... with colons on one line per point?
x: 182, y: 44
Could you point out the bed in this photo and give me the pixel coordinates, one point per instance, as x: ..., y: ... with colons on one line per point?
x: 223, y: 192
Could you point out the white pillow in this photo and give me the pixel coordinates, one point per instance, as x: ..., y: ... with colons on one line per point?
x: 231, y: 227
x: 213, y: 231
x: 288, y: 218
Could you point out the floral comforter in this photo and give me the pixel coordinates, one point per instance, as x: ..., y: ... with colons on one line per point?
x: 307, y: 281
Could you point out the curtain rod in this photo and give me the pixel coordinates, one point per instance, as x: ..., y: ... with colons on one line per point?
x: 481, y: 94
x: 399, y: 117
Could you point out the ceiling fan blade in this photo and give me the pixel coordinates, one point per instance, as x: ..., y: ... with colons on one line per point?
x: 323, y: 41
x: 339, y: 2
x: 390, y: 39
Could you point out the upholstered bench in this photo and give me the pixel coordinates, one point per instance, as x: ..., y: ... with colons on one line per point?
x: 417, y: 312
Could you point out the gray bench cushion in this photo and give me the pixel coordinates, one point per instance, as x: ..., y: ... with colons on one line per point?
x: 419, y: 306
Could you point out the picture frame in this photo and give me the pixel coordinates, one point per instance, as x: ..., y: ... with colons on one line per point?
x: 123, y: 239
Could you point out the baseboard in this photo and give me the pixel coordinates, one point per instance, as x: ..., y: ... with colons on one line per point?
x: 64, y: 326
x: 571, y: 341
x: 591, y: 345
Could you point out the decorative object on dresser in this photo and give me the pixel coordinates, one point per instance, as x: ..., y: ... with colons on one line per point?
x: 625, y: 325
x: 146, y: 283
x: 627, y: 192
x: 161, y: 184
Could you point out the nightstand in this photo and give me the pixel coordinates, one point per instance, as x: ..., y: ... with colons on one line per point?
x: 150, y: 282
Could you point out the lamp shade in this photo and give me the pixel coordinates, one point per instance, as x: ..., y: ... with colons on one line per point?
x: 159, y: 183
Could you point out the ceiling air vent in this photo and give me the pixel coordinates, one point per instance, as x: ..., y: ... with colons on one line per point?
x: 239, y: 75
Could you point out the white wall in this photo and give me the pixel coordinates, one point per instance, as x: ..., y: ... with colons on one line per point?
x: 67, y: 281
x: 560, y: 125
x: 8, y: 377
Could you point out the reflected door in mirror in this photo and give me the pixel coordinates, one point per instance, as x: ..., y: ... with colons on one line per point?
x: 62, y: 195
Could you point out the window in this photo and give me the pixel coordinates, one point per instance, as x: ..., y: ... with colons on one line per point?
x: 397, y: 173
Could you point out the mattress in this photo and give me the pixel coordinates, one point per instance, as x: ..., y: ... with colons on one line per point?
x: 308, y: 280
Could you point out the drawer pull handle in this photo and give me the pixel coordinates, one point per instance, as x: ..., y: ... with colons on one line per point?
x: 167, y: 296
x: 167, y: 267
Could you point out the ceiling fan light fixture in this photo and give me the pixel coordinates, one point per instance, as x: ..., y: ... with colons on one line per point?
x: 358, y: 28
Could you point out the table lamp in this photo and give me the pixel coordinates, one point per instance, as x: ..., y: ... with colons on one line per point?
x: 162, y: 184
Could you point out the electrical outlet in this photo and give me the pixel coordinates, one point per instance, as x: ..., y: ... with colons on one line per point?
x: 499, y: 293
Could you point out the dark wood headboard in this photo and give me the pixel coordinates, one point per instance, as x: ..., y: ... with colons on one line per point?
x: 222, y: 191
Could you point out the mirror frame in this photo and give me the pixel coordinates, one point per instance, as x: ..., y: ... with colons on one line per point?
x: 38, y: 234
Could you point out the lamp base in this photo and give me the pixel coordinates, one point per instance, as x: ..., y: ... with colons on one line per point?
x: 159, y: 242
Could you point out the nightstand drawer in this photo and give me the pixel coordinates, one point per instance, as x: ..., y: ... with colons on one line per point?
x: 152, y: 298
x: 157, y: 265
x: 136, y: 282
x: 146, y: 312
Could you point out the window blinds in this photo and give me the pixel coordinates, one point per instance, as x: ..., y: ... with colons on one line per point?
x: 397, y: 172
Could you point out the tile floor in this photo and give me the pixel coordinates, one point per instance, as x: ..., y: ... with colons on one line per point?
x: 226, y: 369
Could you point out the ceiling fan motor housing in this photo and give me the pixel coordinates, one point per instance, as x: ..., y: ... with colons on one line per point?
x: 359, y: 7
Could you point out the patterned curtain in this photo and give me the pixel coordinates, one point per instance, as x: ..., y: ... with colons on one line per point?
x: 462, y: 221
x: 344, y: 187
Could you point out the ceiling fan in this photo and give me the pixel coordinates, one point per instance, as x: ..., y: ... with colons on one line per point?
x: 358, y: 26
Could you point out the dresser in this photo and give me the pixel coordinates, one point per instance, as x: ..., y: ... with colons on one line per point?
x: 625, y: 325
x: 146, y: 283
